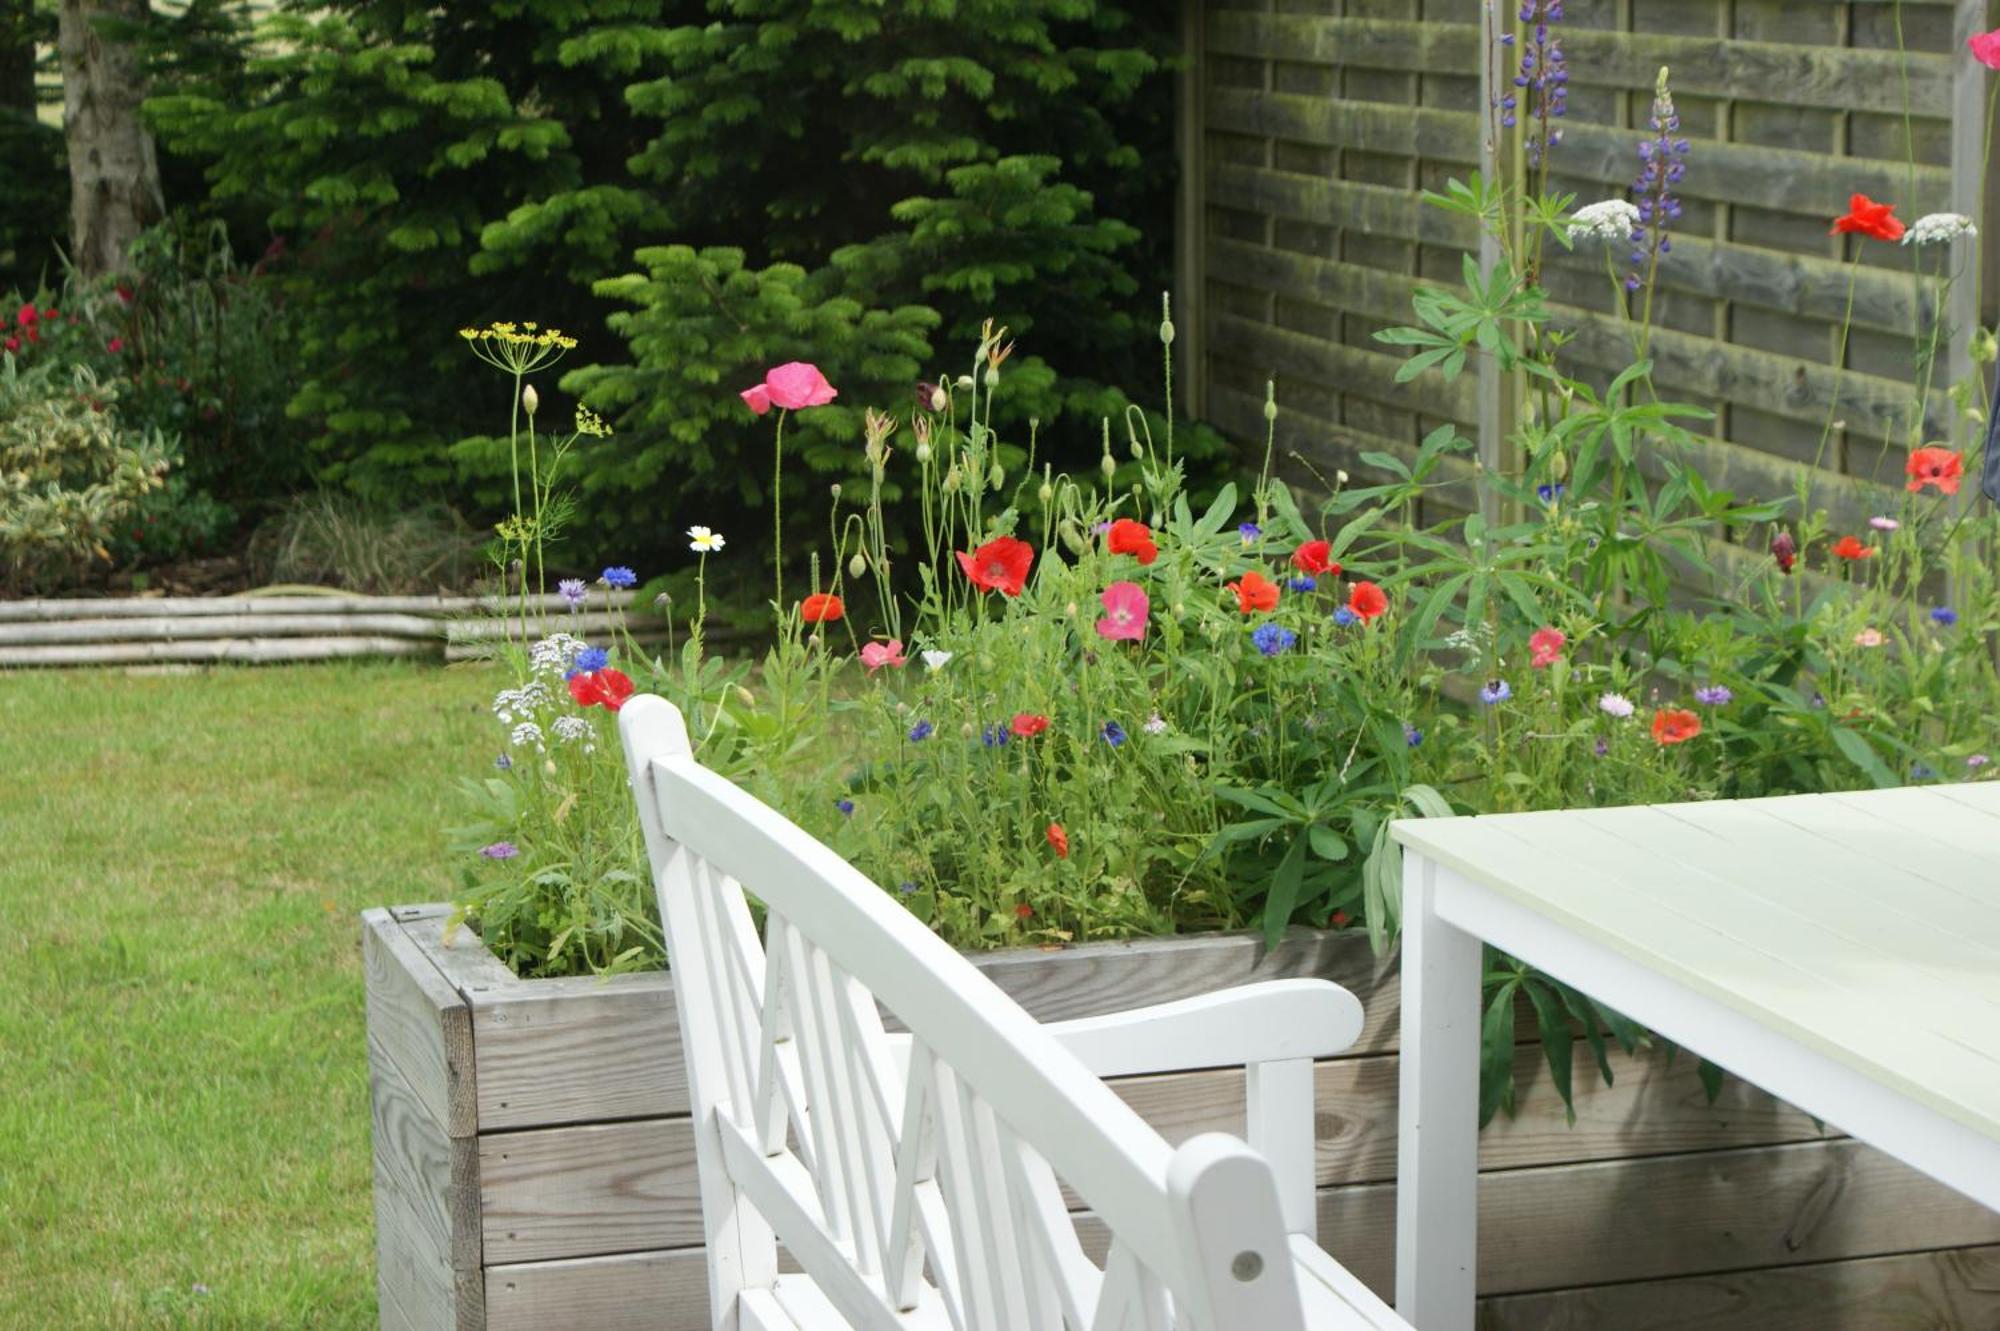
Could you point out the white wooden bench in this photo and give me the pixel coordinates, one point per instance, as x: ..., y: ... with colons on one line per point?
x: 916, y: 1179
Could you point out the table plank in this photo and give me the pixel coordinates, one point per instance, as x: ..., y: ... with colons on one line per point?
x: 1690, y: 926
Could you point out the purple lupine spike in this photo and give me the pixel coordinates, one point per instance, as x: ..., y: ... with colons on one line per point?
x: 1543, y: 77
x: 1663, y: 159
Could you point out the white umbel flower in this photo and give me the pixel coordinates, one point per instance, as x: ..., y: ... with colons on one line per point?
x: 936, y: 660
x: 703, y: 541
x: 525, y: 734
x: 555, y: 653
x: 1939, y: 229
x: 1611, y: 219
x: 569, y: 729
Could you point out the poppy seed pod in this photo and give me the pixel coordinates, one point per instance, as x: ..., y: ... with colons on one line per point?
x: 923, y: 453
x: 993, y: 376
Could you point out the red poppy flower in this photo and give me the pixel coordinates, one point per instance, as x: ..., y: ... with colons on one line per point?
x: 1000, y: 565
x: 1865, y: 217
x: 821, y: 608
x: 606, y: 688
x: 1314, y: 558
x: 1027, y: 725
x: 115, y: 345
x: 1255, y: 593
x: 1545, y: 647
x: 1340, y: 919
x: 1024, y: 911
x: 1935, y: 466
x: 12, y: 344
x: 1128, y: 537
x: 1849, y: 547
x: 1058, y: 841
x: 1674, y: 725
x: 26, y: 315
x: 1367, y: 601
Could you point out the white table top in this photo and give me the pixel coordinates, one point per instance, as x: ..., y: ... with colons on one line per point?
x: 1865, y: 926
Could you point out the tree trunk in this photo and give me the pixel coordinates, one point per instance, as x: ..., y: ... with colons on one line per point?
x: 114, y: 177
x: 17, y: 57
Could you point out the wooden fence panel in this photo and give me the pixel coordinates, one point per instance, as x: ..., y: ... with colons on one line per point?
x: 1315, y: 124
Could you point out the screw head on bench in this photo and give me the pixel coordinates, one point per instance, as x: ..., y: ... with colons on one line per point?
x: 1246, y: 1266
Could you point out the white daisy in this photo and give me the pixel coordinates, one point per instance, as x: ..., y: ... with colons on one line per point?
x: 703, y: 541
x: 936, y: 660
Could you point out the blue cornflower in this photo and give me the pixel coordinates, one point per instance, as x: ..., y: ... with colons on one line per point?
x: 1714, y: 695
x: 592, y: 659
x: 503, y: 762
x: 1114, y: 734
x: 921, y: 731
x: 1495, y: 691
x: 1922, y: 772
x: 500, y: 850
x: 1411, y: 735
x: 1548, y: 494
x: 1345, y: 618
x: 1303, y: 584
x: 1273, y: 638
x: 573, y: 591
x: 1944, y: 616
x: 906, y: 887
x: 620, y: 576
x: 995, y: 735
x: 1249, y: 531
x: 1602, y: 747
x: 845, y: 806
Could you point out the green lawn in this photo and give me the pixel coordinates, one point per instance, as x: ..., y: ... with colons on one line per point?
x: 183, y: 1078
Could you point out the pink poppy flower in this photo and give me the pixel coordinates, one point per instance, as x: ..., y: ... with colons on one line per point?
x: 794, y: 386
x: 1986, y: 48
x: 875, y: 655
x: 1545, y: 647
x: 1125, y: 610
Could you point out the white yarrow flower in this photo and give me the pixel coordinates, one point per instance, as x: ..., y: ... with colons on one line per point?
x: 703, y: 541
x: 569, y: 729
x: 1939, y: 229
x: 525, y: 734
x: 1155, y: 724
x: 936, y: 660
x: 1612, y: 219
x: 555, y: 654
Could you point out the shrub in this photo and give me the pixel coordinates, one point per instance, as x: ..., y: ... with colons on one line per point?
x: 70, y: 474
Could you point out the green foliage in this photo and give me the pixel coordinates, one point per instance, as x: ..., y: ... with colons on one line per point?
x: 70, y: 475
x: 861, y: 178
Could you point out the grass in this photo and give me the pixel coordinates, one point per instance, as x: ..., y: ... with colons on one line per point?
x: 184, y: 1120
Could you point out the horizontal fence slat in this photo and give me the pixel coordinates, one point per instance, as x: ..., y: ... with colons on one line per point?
x: 1836, y: 78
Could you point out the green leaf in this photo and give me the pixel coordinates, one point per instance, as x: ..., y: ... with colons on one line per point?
x: 1557, y: 1042
x: 1862, y: 755
x: 1326, y: 843
x: 1496, y: 1053
x: 1284, y: 895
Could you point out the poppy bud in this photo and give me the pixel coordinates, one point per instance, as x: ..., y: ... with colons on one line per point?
x: 857, y: 567
x: 747, y: 698
x: 1167, y: 318
x: 1785, y: 550
x: 549, y: 766
x: 951, y: 480
x: 965, y: 381
x: 939, y: 398
x: 997, y: 477
x: 1108, y: 467
x: 1558, y: 466
x: 1167, y: 331
x: 530, y: 399
x: 1070, y: 536
x: 1047, y: 493
x: 1270, y: 400
x: 835, y: 488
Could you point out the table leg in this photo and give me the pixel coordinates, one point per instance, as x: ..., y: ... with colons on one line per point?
x: 1437, y: 1183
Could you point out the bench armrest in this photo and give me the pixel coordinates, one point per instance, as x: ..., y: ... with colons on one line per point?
x: 1272, y: 1021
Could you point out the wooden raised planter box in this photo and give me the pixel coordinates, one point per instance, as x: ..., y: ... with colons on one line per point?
x: 533, y: 1162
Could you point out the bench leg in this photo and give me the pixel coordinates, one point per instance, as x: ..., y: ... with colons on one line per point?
x: 1437, y: 1183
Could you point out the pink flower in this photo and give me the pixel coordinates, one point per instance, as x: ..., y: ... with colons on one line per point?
x: 1869, y: 638
x: 1986, y: 48
x: 1125, y: 610
x: 1545, y: 647
x: 115, y: 345
x: 793, y: 386
x: 875, y: 655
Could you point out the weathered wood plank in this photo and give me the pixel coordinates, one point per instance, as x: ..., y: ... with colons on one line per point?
x: 1652, y: 1219
x: 426, y: 1217
x: 588, y: 1190
x: 637, y: 1291
x: 1793, y: 74
x: 1955, y: 1288
x: 419, y: 1021
x: 1777, y: 178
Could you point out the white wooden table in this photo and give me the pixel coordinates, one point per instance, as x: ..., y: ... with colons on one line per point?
x: 1840, y: 951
